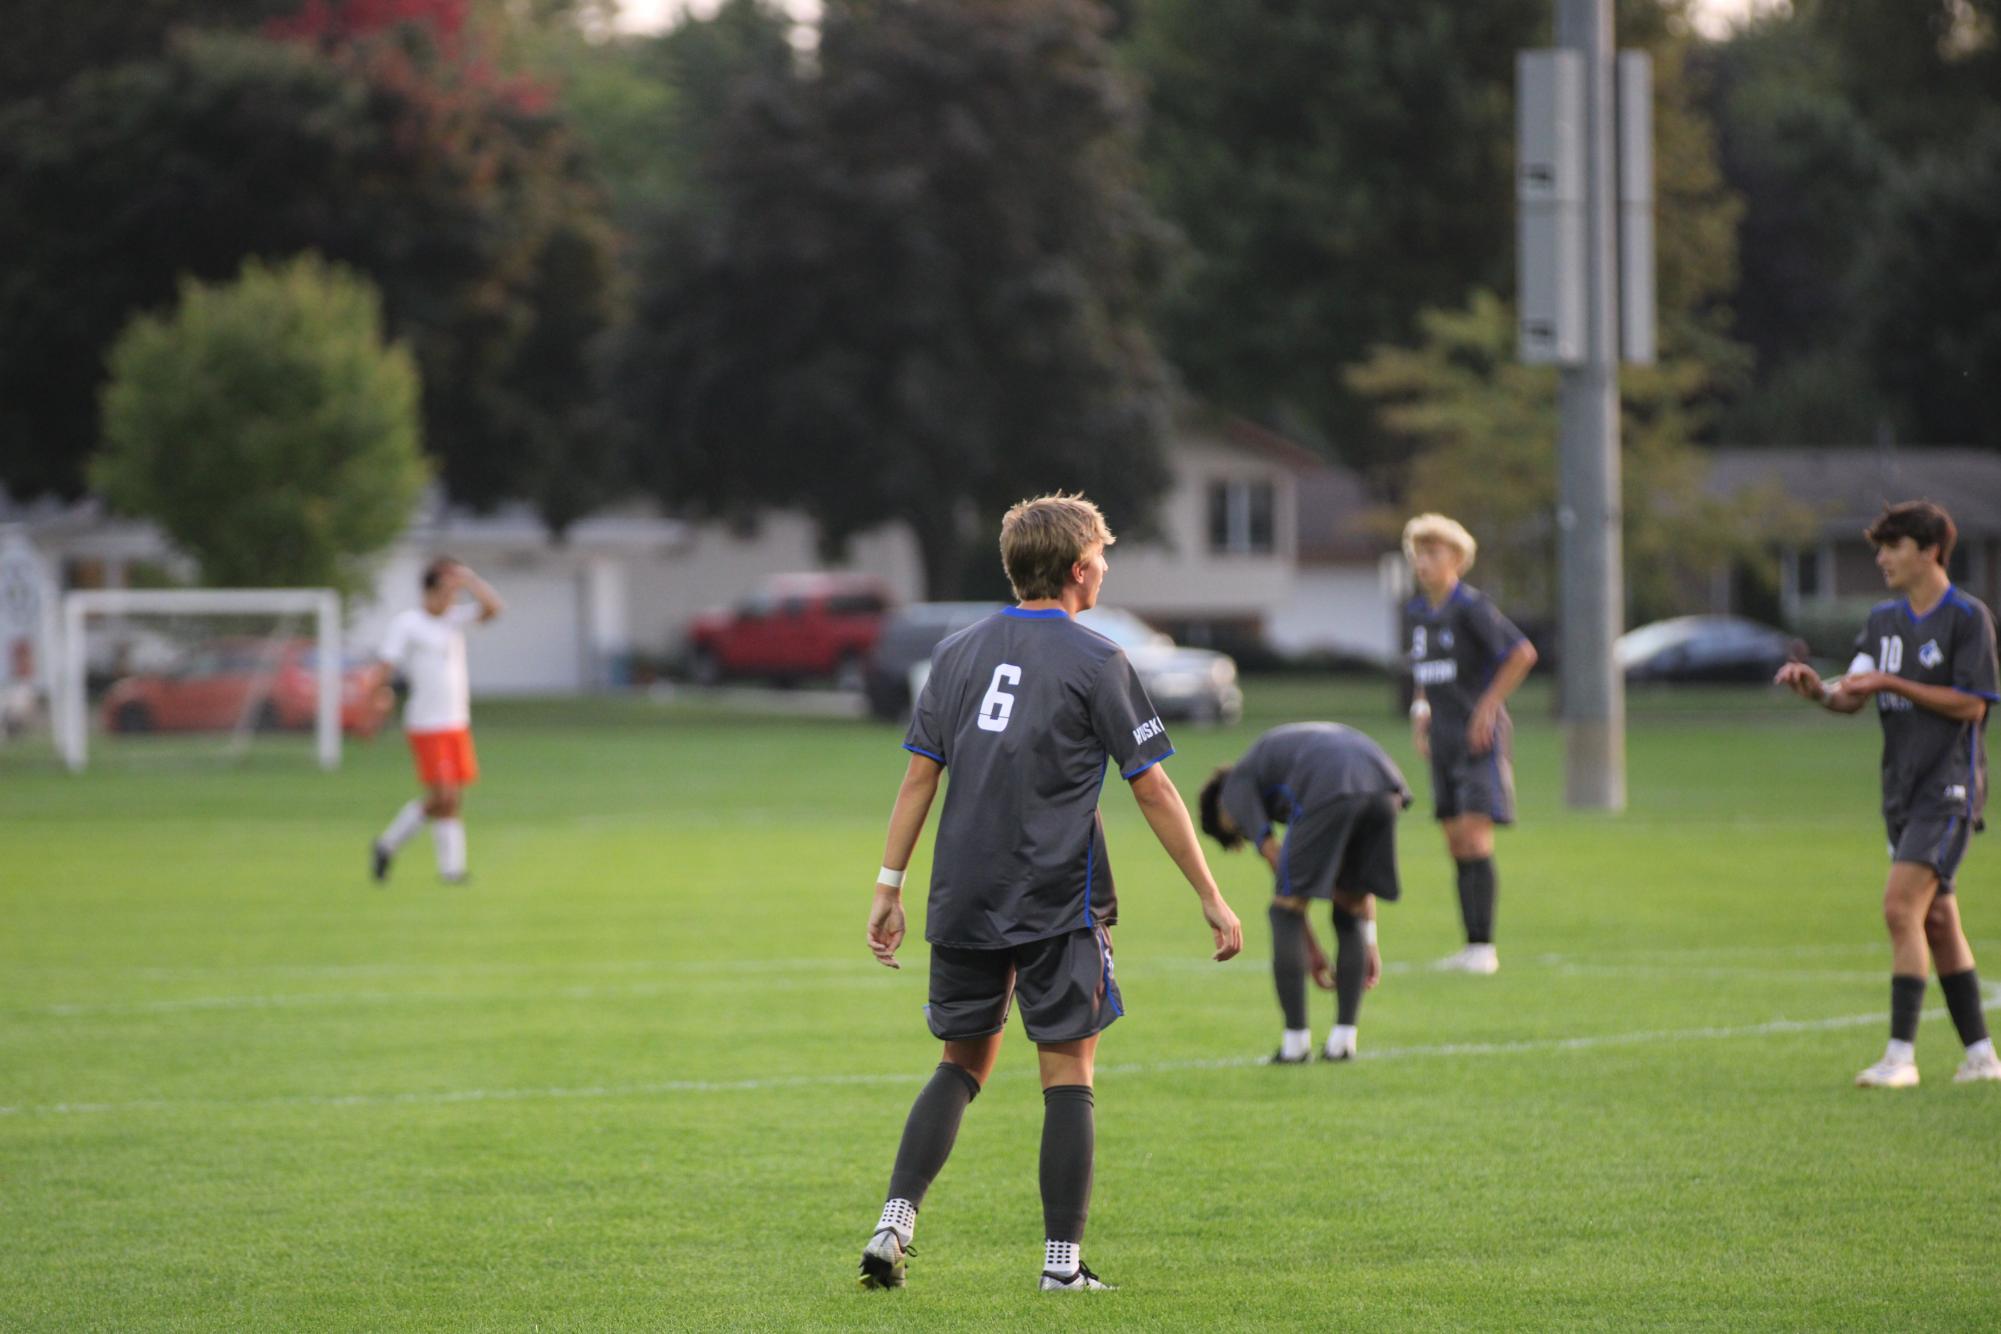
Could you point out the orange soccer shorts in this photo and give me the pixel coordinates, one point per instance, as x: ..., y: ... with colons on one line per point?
x: 445, y: 759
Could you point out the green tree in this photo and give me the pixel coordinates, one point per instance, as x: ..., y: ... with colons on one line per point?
x: 1481, y: 428
x: 917, y: 287
x: 266, y: 428
x: 400, y: 152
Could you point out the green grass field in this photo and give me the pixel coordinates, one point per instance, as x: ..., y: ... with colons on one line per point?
x: 642, y: 1074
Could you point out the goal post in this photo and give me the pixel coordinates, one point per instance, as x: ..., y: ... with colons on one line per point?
x: 321, y: 604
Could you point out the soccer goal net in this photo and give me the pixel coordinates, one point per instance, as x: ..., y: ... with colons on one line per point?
x: 207, y: 674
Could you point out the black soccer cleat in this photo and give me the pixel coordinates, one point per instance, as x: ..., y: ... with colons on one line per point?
x: 378, y: 862
x: 885, y: 1261
x: 1280, y: 1058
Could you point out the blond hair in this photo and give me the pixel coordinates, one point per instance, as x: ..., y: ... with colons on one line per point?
x: 1041, y: 539
x: 1438, y: 528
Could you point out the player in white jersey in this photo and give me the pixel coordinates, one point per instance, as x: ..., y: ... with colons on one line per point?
x: 427, y: 645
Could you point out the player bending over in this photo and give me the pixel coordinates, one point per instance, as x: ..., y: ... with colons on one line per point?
x: 1338, y: 796
x: 1927, y: 656
x: 1025, y: 707
x: 1467, y: 659
x: 427, y: 644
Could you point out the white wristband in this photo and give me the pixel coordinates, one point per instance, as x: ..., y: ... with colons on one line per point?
x: 1420, y: 710
x: 1368, y: 930
x: 1827, y: 688
x: 894, y: 879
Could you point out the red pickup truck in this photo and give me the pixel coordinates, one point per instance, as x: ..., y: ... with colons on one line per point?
x: 797, y: 626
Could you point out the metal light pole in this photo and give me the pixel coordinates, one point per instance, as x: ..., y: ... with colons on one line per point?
x: 1591, y: 567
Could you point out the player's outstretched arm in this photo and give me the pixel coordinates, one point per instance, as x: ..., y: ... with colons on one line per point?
x: 1838, y: 695
x: 1167, y: 815
x: 906, y: 822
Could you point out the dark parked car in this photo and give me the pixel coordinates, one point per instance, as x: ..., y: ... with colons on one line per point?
x: 908, y: 637
x: 1706, y: 648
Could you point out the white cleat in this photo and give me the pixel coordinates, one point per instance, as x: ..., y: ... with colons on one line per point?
x: 885, y: 1260
x: 1978, y: 1069
x: 1482, y: 960
x: 1081, y: 1281
x: 1889, y: 1074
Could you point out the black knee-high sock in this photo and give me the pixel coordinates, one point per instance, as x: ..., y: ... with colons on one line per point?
x: 1069, y: 1148
x: 1479, y: 887
x: 1351, y: 966
x: 1962, y: 997
x: 1907, y: 999
x: 1288, y: 965
x: 928, y: 1134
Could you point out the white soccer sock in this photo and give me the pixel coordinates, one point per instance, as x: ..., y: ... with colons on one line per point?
x: 407, y: 822
x: 1296, y: 1043
x: 900, y: 1217
x: 1342, y: 1038
x: 1061, y: 1258
x: 450, y: 837
x: 1903, y: 1053
x: 1983, y: 1049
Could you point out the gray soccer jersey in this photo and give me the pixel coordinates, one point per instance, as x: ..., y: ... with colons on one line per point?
x: 1455, y: 648
x: 1932, y: 764
x: 1303, y: 767
x: 1024, y: 708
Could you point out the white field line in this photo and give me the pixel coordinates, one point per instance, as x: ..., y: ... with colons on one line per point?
x: 448, y: 1097
x: 822, y: 974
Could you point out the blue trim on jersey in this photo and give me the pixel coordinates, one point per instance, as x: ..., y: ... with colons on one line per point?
x: 1938, y: 853
x: 919, y: 750
x: 1144, y: 767
x: 1979, y: 694
x: 1943, y: 603
x: 1035, y: 614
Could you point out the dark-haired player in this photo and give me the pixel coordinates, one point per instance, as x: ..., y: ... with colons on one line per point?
x: 1338, y: 796
x: 1466, y: 659
x: 427, y: 644
x: 1927, y: 657
x: 1026, y: 707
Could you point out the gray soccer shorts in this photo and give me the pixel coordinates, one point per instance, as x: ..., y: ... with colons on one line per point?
x: 1065, y: 984
x: 1930, y: 838
x: 1463, y: 784
x: 1350, y: 845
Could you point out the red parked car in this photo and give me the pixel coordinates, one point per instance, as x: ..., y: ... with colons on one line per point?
x: 215, y: 689
x: 798, y: 626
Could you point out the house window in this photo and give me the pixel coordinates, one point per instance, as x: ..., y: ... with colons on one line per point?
x: 1241, y: 518
x: 1808, y: 567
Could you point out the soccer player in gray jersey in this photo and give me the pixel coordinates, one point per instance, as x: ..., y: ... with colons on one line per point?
x: 1338, y: 796
x: 1927, y: 658
x: 1466, y: 659
x: 1025, y: 707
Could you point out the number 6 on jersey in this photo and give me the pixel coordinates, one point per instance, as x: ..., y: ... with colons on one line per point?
x: 998, y: 706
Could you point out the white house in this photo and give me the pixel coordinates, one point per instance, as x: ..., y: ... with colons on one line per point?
x: 1261, y: 541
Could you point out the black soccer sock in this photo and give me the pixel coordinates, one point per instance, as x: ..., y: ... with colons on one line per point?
x: 1288, y: 965
x: 1962, y: 998
x: 1479, y: 887
x: 928, y: 1134
x: 1069, y: 1148
x: 1351, y: 966
x: 1907, y: 999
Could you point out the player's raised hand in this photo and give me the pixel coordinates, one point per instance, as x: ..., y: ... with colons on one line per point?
x: 885, y: 926
x: 1229, y: 931
x: 1801, y: 679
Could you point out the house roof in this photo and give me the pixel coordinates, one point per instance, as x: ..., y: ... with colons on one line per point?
x: 1849, y: 487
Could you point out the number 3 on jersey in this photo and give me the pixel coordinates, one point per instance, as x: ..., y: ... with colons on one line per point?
x: 998, y: 706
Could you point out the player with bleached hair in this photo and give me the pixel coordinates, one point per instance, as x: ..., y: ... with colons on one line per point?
x: 1927, y: 658
x: 1026, y: 708
x: 1466, y: 658
x: 427, y: 644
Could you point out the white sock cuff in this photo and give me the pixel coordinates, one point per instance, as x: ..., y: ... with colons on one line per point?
x: 1900, y: 1051
x: 900, y: 1217
x: 1062, y: 1257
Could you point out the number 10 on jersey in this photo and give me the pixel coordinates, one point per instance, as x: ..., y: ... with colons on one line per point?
x: 998, y: 706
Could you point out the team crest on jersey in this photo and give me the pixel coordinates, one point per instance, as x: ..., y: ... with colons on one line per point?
x: 1929, y: 655
x: 1445, y: 639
